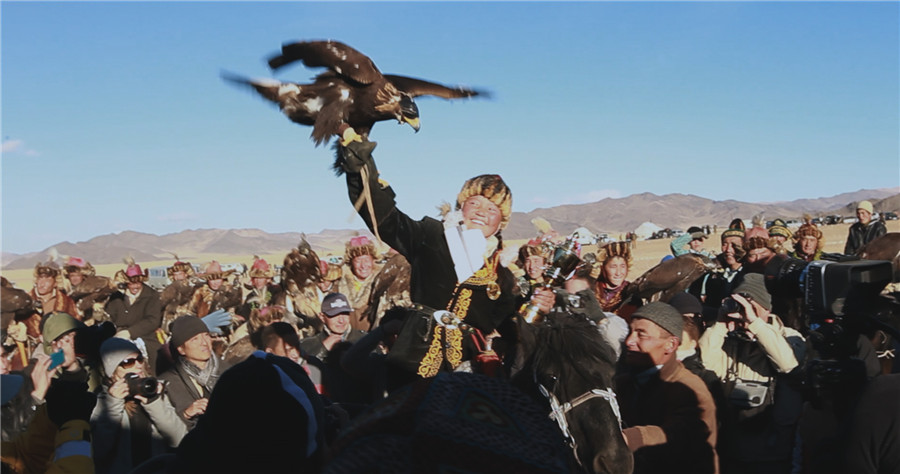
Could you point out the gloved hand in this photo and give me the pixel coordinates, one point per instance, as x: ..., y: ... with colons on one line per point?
x: 216, y: 320
x: 69, y: 400
x: 353, y: 157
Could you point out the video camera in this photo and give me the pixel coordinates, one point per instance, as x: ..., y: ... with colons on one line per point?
x: 841, y: 298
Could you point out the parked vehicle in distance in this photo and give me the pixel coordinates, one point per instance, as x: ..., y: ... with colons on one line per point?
x: 889, y: 216
x: 158, y: 277
x: 833, y: 219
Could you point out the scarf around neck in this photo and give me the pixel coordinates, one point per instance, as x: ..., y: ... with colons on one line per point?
x: 206, y: 377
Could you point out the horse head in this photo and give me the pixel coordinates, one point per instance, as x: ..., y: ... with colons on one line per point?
x: 568, y: 361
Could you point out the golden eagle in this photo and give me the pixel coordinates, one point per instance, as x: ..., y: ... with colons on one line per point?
x: 668, y: 278
x: 353, y: 92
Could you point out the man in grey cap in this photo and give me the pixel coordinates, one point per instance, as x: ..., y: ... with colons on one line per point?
x: 748, y: 348
x: 668, y: 412
x: 335, y: 316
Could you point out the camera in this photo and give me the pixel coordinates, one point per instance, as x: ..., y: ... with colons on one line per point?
x: 731, y: 306
x: 840, y: 296
x: 832, y: 288
x: 143, y: 386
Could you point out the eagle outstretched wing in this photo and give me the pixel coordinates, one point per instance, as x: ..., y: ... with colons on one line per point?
x: 334, y: 55
x: 419, y: 87
x: 349, y: 97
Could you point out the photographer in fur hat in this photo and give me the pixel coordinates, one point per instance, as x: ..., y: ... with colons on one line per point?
x: 455, y: 264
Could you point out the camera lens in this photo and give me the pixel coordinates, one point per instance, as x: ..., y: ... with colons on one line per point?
x: 730, y: 306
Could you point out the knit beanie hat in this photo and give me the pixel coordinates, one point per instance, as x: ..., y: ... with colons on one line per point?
x: 866, y: 206
x: 494, y: 189
x: 113, y: 351
x: 186, y: 327
x: 686, y: 303
x: 755, y: 286
x: 663, y: 315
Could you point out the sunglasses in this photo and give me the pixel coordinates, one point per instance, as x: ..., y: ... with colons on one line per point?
x: 129, y: 363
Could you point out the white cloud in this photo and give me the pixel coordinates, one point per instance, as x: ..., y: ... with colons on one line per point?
x: 18, y: 147
x: 582, y: 198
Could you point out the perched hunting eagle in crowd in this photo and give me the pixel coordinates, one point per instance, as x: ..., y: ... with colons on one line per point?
x: 353, y: 91
x: 669, y: 277
x: 301, y: 266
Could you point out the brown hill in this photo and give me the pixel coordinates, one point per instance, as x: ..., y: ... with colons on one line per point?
x: 614, y: 216
x: 680, y: 211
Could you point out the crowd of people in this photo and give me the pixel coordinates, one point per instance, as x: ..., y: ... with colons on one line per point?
x: 221, y: 372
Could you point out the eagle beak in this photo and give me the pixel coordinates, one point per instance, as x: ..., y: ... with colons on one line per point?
x: 413, y: 122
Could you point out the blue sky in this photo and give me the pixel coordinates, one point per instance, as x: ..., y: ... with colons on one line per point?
x: 114, y: 116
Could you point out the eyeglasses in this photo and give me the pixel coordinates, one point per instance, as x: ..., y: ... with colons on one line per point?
x: 129, y: 363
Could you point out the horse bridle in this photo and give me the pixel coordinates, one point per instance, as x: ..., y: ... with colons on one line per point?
x: 558, y: 410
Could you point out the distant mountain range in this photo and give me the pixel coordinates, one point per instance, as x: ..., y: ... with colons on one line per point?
x: 613, y: 216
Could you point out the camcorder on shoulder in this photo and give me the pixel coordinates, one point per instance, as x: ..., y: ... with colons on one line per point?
x: 840, y: 297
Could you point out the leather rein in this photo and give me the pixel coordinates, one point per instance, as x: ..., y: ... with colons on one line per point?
x: 559, y: 410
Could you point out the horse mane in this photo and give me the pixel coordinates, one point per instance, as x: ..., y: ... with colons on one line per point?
x: 570, y: 345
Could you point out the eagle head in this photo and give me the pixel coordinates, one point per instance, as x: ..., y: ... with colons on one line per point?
x: 409, y: 112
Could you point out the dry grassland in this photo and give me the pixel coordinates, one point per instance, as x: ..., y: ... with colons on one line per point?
x: 647, y: 253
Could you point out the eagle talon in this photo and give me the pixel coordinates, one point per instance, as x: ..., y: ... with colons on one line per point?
x: 350, y: 135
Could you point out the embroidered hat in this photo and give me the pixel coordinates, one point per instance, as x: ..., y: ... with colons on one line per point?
x: 492, y: 187
x: 334, y: 304
x: 735, y: 229
x: 779, y: 228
